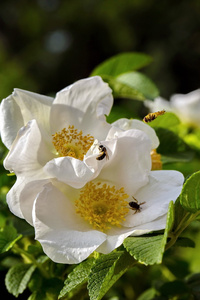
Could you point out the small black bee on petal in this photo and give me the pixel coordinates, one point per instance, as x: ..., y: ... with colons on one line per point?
x: 134, y: 205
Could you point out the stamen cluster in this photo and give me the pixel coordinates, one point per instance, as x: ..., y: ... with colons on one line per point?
x: 102, y: 205
x: 72, y: 142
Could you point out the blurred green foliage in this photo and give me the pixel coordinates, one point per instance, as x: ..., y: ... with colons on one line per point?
x: 47, y: 44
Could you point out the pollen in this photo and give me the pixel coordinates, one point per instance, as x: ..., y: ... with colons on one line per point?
x: 156, y: 160
x: 72, y: 142
x: 102, y: 205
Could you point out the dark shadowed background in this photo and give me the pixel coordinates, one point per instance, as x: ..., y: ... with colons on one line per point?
x: 47, y: 44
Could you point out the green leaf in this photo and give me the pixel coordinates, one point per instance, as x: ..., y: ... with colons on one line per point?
x: 190, y: 194
x: 122, y: 90
x: 193, y: 283
x: 36, y: 281
x: 35, y: 249
x: 148, y: 294
x: 23, y: 227
x: 169, y: 223
x: 149, y: 249
x: 52, y: 287
x: 122, y: 63
x: 146, y: 250
x: 139, y: 82
x: 41, y: 295
x: 18, y: 277
x: 8, y: 237
x: 193, y: 139
x: 170, y: 143
x: 179, y: 157
x: 180, y: 215
x: 76, y: 279
x: 185, y: 242
x: 178, y: 267
x: 106, y: 271
x: 174, y: 288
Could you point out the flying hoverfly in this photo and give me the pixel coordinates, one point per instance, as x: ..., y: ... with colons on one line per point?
x: 152, y: 116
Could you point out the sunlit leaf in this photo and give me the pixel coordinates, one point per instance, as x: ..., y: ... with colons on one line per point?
x: 139, y: 82
x: 122, y: 63
x: 123, y: 90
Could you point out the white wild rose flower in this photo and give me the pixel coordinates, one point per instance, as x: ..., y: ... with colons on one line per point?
x: 185, y: 106
x: 49, y: 138
x: 71, y: 223
x: 77, y: 174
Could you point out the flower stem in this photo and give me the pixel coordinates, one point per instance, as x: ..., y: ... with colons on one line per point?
x: 31, y: 258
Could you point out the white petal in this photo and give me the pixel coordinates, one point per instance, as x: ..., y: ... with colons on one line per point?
x: 163, y: 187
x: 83, y: 104
x: 29, y: 151
x: 130, y: 163
x: 157, y: 224
x: 126, y: 124
x: 21, y: 196
x: 158, y: 104
x: 69, y: 170
x: 13, y: 197
x: 65, y: 238
x: 19, y: 108
x: 28, y: 195
x: 187, y: 107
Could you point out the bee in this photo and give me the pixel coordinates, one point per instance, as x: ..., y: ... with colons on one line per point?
x: 152, y: 116
x: 103, y: 153
x: 134, y: 205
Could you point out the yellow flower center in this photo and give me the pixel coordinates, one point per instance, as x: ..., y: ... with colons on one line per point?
x: 156, y: 160
x: 72, y: 142
x: 102, y: 205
